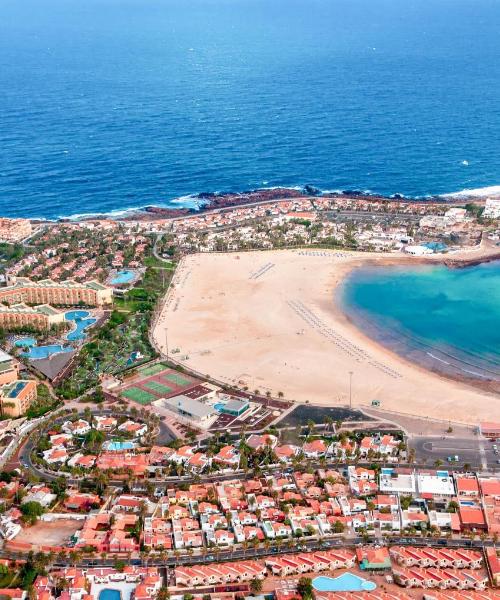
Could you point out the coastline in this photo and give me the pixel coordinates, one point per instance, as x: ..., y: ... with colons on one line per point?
x: 418, y: 353
x: 260, y: 333
x: 202, y: 202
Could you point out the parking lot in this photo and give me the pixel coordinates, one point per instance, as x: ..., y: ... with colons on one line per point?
x: 478, y: 452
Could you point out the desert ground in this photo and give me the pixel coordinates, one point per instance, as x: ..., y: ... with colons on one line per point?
x: 268, y: 320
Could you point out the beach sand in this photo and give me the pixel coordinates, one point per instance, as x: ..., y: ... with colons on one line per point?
x: 268, y: 320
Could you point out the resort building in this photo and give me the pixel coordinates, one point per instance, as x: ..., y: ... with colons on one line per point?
x: 9, y: 368
x: 14, y: 230
x: 190, y: 408
x: 42, y: 316
x: 16, y: 397
x: 90, y: 293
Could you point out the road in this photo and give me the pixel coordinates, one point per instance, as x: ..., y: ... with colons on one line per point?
x: 261, y: 552
x: 478, y: 453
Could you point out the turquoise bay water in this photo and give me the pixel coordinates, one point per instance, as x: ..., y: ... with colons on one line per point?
x: 448, y: 319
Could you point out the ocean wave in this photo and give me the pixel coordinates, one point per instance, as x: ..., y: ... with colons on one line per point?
x: 484, y: 192
x: 196, y: 200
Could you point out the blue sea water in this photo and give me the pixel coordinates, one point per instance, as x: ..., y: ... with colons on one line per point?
x: 446, y: 319
x: 112, y: 104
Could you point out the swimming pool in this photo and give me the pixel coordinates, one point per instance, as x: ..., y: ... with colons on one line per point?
x: 347, y: 582
x: 25, y: 342
x: 219, y: 406
x: 118, y: 446
x: 74, y: 315
x: 109, y: 594
x: 122, y: 277
x: 80, y: 326
x: 37, y: 352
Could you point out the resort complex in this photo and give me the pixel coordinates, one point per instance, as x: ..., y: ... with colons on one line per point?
x: 65, y: 293
x: 209, y: 425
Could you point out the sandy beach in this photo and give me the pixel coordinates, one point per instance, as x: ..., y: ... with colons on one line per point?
x: 268, y: 320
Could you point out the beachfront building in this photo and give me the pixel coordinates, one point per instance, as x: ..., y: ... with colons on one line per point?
x: 22, y: 289
x: 9, y: 368
x: 39, y: 317
x: 14, y: 230
x: 17, y: 397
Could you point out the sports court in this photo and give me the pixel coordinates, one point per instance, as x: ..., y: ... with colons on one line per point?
x: 156, y: 381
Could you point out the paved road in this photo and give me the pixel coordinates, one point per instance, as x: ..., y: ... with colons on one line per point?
x: 254, y: 553
x: 478, y: 453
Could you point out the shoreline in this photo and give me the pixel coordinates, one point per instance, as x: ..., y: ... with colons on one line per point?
x: 203, y: 202
x: 386, y: 338
x: 283, y: 332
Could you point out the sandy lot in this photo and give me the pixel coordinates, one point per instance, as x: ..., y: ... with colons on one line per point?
x: 268, y: 320
x: 55, y: 533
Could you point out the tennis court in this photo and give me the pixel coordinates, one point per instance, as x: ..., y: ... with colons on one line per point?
x: 138, y: 395
x: 152, y: 370
x: 159, y: 388
x: 177, y: 379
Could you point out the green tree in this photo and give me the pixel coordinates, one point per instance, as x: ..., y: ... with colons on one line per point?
x: 305, y: 588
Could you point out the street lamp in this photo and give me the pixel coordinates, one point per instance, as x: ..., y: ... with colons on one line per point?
x: 350, y: 388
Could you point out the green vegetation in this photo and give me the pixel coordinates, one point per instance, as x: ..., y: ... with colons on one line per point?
x: 305, y: 588
x: 43, y: 404
x: 126, y: 331
x: 31, y: 511
x: 11, y: 252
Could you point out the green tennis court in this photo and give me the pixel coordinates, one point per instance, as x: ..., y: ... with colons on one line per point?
x: 138, y: 395
x: 177, y: 379
x: 157, y: 387
x: 152, y: 370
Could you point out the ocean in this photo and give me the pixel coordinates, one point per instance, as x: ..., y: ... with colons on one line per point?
x: 107, y: 105
x: 429, y: 315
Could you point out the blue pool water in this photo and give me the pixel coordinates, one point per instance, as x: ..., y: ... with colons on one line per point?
x: 25, y: 342
x: 219, y: 406
x: 17, y: 388
x: 117, y: 446
x: 81, y: 324
x: 122, y: 277
x: 109, y: 594
x: 347, y: 582
x: 436, y: 246
x: 442, y: 318
x: 37, y: 352
x: 73, y: 315
x: 210, y: 95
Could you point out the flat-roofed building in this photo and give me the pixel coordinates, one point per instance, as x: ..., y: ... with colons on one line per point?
x: 17, y: 397
x: 189, y: 407
x: 9, y: 368
x: 490, y: 429
x: 69, y: 292
x: 235, y: 407
x: 397, y: 481
x: 40, y: 317
x: 435, y: 483
x: 14, y: 230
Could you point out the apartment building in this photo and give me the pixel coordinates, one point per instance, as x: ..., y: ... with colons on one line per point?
x: 14, y: 230
x: 40, y: 317
x: 22, y: 289
x: 9, y: 368
x: 17, y: 397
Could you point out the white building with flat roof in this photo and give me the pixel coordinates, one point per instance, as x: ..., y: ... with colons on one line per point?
x: 397, y: 481
x: 436, y: 483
